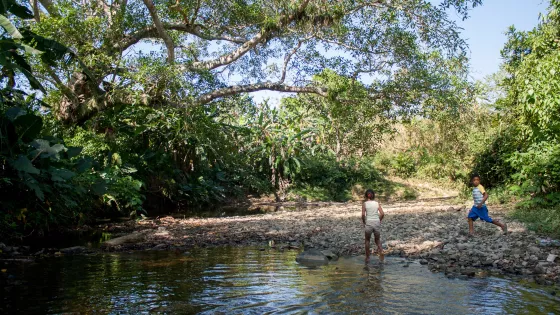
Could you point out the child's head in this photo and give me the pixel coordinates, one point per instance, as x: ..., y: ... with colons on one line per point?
x: 475, y: 179
x: 370, y: 194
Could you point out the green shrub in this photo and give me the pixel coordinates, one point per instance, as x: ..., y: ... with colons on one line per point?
x: 542, y: 220
x: 42, y: 181
x: 404, y: 164
x: 324, y: 178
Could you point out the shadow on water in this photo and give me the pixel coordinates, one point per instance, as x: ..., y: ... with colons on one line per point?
x: 89, y: 239
x: 246, y: 280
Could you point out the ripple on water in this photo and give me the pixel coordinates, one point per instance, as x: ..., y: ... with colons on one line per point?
x: 249, y: 281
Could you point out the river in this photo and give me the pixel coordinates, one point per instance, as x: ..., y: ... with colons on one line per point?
x: 251, y: 281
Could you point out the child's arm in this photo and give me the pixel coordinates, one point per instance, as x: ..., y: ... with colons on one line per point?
x: 364, y: 213
x: 381, y: 213
x: 484, y: 198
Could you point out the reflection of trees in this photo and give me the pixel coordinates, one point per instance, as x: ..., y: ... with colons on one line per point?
x: 343, y: 286
x: 223, y: 278
x: 104, y: 283
x: 157, y: 281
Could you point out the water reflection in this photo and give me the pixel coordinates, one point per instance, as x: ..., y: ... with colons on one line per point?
x: 240, y: 281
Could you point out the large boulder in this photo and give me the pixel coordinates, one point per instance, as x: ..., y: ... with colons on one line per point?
x: 127, y: 239
x: 73, y: 250
x: 312, y: 257
x: 329, y: 254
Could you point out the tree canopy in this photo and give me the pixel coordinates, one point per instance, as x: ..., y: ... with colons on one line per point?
x: 142, y: 105
x: 207, y: 50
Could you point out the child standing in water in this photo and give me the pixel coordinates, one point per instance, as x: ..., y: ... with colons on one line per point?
x: 479, y: 209
x: 372, y: 215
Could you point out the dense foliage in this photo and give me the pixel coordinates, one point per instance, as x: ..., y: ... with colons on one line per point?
x: 139, y: 107
x: 532, y: 105
x: 142, y: 107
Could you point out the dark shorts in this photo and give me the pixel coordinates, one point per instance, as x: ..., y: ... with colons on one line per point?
x: 481, y: 213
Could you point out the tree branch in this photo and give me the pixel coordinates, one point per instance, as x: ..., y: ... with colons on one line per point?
x: 35, y: 6
x: 48, y: 5
x: 289, y: 56
x: 151, y: 32
x: 195, y: 14
x: 161, y: 31
x: 107, y: 10
x: 65, y: 90
x: 262, y: 36
x: 270, y: 86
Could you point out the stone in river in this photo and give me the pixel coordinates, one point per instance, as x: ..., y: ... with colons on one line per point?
x: 540, y: 268
x: 329, y: 254
x: 469, y: 272
x: 130, y: 238
x: 73, y: 250
x: 312, y: 257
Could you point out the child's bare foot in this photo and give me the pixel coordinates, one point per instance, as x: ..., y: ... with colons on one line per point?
x: 471, y: 234
x: 381, y: 257
x: 367, y: 260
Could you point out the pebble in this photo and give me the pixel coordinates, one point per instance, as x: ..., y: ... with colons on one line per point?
x: 534, y: 250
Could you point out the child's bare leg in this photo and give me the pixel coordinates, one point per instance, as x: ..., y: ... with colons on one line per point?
x: 500, y: 224
x: 368, y: 236
x: 471, y: 226
x: 379, y: 247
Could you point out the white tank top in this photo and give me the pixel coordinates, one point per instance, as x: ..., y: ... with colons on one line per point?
x: 372, y: 211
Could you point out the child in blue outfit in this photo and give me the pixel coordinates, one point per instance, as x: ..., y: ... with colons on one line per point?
x: 479, y: 209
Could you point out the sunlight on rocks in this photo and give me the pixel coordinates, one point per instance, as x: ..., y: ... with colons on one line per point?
x: 434, y: 231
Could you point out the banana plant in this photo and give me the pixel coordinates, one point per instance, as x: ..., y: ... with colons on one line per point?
x: 16, y: 43
x: 277, y: 143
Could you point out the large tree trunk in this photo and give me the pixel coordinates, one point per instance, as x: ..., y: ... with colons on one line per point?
x: 74, y: 103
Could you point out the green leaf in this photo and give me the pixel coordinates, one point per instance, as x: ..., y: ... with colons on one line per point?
x: 61, y: 174
x: 28, y: 126
x: 41, y: 144
x: 44, y: 148
x: 30, y: 50
x: 129, y: 170
x: 73, y: 151
x: 221, y: 176
x: 18, y: 10
x: 10, y: 28
x: 23, y: 68
x: 23, y: 164
x: 84, y: 164
x: 14, y: 112
x: 21, y: 62
x: 99, y: 187
x: 35, y: 84
x: 35, y: 187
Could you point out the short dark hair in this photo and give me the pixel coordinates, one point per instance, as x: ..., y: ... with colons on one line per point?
x: 371, y: 193
x: 475, y: 175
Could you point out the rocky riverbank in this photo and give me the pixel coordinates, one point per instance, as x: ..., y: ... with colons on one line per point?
x: 433, y: 231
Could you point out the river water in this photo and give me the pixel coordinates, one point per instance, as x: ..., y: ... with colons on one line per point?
x: 250, y: 281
